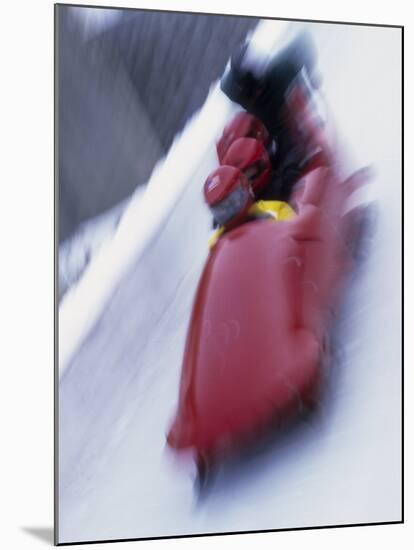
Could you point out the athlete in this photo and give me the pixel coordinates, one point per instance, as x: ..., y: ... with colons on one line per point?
x: 230, y: 197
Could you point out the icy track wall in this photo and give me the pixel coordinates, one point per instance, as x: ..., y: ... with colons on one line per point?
x: 122, y: 335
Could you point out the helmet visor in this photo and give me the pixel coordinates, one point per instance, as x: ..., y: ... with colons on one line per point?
x: 232, y: 205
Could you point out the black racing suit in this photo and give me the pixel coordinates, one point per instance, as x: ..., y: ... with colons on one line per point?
x: 264, y: 97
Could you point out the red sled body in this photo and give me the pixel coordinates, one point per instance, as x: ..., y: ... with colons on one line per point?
x: 256, y: 343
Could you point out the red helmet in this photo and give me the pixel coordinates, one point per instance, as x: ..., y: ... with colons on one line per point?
x: 251, y: 157
x: 229, y: 195
x: 242, y: 125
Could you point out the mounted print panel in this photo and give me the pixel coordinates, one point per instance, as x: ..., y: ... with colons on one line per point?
x: 229, y: 264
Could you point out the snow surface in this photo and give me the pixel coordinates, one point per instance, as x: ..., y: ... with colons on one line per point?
x: 122, y: 336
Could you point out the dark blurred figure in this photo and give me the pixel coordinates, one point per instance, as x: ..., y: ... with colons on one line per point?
x: 264, y: 88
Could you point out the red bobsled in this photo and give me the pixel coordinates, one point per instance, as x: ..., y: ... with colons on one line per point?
x: 257, y: 342
x: 257, y: 339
